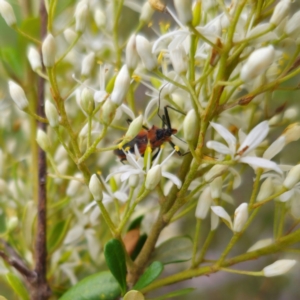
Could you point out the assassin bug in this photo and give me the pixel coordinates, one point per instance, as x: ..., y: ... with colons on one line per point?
x: 154, y: 136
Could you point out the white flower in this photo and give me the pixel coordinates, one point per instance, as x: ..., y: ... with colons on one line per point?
x: 49, y: 51
x: 18, y: 95
x: 251, y: 141
x: 34, y: 58
x: 143, y: 48
x: 279, y: 267
x: 136, y: 164
x: 257, y: 63
x: 121, y: 86
x: 204, y: 203
x: 87, y: 64
x: 7, y: 13
x: 240, y: 216
x: 108, y: 197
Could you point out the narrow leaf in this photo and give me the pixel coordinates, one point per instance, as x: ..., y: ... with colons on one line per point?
x: 174, y: 250
x: 17, y: 285
x: 57, y: 235
x: 139, y: 246
x: 115, y: 260
x: 152, y: 272
x: 94, y: 287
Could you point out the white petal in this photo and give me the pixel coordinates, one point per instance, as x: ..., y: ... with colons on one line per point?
x: 89, y: 206
x: 122, y: 169
x: 275, y: 148
x: 255, y: 137
x: 214, y: 221
x: 152, y: 103
x: 126, y: 175
x: 226, y: 135
x: 100, y: 96
x: 173, y: 178
x: 261, y: 163
x: 168, y: 35
x: 121, y: 196
x: 227, y: 198
x: 286, y: 196
x: 279, y: 267
x: 219, y: 147
x: 127, y: 111
x: 222, y: 213
x: 260, y: 244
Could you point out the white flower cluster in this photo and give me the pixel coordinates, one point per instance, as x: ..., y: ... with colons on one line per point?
x: 209, y: 76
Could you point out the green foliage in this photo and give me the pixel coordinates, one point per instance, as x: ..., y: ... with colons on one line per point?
x: 100, y: 286
x: 115, y: 259
x: 17, y: 285
x: 151, y: 273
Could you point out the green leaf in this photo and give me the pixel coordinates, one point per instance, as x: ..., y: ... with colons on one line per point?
x: 11, y: 59
x: 175, y: 294
x: 2, y: 222
x: 134, y: 295
x: 94, y: 287
x: 136, y: 223
x: 57, y: 235
x: 174, y: 250
x: 139, y: 246
x: 151, y: 273
x: 18, y: 286
x: 115, y: 260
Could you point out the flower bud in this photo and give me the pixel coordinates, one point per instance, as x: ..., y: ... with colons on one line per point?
x: 132, y: 57
x: 280, y: 11
x: 7, y: 13
x: 215, y: 171
x: 266, y: 190
x: 143, y: 48
x: 184, y: 10
x: 96, y: 188
x: 292, y: 178
x: 240, y: 217
x: 107, y: 112
x: 204, y: 204
x: 12, y: 223
x: 43, y: 140
x: 121, y: 86
x: 178, y: 58
x: 87, y: 64
x: 18, y: 95
x: 49, y: 51
x: 257, y: 63
x: 279, y: 267
x: 81, y: 14
x: 74, y: 186
x: 133, y: 180
x: 34, y: 59
x: 190, y: 126
x: 292, y: 133
x: 134, y: 128
x: 216, y: 187
x: 51, y: 114
x: 153, y: 177
x: 100, y: 18
x: 70, y: 35
x: 87, y: 101
x: 146, y: 13
x: 292, y: 26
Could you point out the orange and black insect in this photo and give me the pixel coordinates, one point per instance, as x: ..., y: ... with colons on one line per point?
x: 154, y: 136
